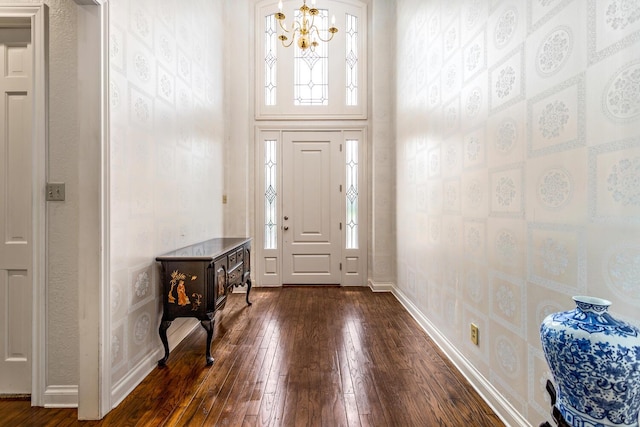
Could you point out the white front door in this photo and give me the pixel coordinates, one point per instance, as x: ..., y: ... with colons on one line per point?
x: 15, y: 211
x: 311, y: 208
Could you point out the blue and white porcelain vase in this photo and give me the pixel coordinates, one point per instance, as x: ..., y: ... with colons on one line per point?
x: 595, y: 362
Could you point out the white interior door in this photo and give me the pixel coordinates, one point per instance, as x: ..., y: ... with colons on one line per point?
x: 311, y: 206
x: 15, y: 211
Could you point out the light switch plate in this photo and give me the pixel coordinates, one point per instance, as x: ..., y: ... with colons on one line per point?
x: 55, y: 192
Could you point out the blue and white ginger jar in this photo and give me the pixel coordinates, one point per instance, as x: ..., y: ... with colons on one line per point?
x: 595, y: 362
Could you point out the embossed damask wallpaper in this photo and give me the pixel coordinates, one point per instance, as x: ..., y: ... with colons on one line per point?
x: 518, y: 149
x: 167, y: 134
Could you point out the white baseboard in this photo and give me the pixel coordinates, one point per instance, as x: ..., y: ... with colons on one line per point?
x: 380, y: 286
x: 61, y: 396
x: 500, y: 405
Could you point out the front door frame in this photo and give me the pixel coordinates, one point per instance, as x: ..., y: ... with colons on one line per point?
x: 271, y: 259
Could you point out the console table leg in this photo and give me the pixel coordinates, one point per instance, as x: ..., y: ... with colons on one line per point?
x: 248, y: 290
x: 208, y: 326
x: 164, y: 325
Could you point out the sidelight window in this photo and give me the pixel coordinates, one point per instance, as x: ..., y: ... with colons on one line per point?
x: 352, y: 193
x: 270, y: 195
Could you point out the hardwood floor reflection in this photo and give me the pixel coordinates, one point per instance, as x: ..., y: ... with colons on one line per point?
x: 300, y: 356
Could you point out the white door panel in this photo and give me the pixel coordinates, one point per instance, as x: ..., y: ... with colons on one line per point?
x: 15, y: 211
x: 311, y: 208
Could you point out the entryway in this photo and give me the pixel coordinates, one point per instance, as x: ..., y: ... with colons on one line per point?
x: 311, y: 199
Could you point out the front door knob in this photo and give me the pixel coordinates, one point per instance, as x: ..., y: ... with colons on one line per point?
x: 286, y: 228
x: 286, y: 218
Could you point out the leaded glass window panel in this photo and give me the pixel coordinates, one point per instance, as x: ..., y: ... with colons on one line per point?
x: 270, y: 60
x: 270, y: 195
x: 352, y: 193
x: 351, y: 59
x: 311, y: 67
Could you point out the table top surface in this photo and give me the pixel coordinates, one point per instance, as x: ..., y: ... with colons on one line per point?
x: 204, y: 251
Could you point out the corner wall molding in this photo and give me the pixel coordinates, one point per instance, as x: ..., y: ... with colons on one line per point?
x: 380, y: 286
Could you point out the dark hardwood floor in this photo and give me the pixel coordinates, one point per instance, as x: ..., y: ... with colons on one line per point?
x: 300, y: 356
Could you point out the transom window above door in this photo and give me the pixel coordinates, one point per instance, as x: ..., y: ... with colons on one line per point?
x: 326, y: 82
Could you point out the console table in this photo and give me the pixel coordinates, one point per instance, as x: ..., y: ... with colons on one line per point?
x: 196, y: 280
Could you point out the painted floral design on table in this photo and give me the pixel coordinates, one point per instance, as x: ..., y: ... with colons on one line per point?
x: 178, y: 284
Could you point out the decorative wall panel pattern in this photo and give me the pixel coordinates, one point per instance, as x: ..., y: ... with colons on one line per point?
x: 165, y: 153
x: 474, y: 56
x: 530, y: 122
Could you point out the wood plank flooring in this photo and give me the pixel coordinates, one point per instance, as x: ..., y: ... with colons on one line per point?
x: 300, y: 356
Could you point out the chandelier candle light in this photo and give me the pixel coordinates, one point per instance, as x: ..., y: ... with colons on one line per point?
x: 306, y: 32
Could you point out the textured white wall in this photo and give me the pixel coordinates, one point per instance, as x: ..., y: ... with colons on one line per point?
x: 239, y: 70
x: 382, y: 209
x: 62, y: 217
x: 167, y: 159
x: 518, y: 147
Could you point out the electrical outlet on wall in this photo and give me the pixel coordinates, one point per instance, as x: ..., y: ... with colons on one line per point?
x: 475, y: 334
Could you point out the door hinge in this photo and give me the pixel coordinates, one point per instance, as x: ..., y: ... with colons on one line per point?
x: 341, y: 148
x: 340, y: 266
x: 340, y: 226
x: 341, y: 188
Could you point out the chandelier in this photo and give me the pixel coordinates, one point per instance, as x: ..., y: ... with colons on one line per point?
x: 306, y: 32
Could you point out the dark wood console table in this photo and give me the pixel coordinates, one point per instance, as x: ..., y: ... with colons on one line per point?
x: 196, y: 280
